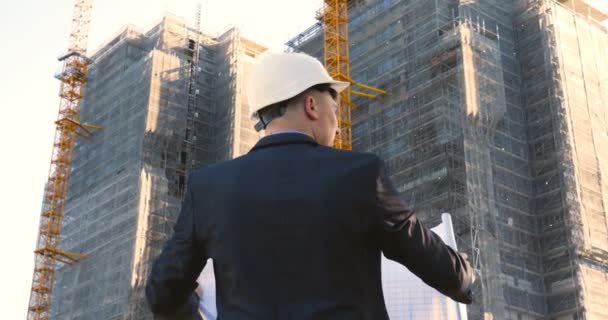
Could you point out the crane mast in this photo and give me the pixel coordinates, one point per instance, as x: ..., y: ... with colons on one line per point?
x: 335, y: 31
x: 334, y: 16
x: 73, y: 79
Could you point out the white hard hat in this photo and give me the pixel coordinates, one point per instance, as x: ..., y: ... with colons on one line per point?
x: 281, y: 76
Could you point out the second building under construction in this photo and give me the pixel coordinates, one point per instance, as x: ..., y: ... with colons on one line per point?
x: 496, y: 113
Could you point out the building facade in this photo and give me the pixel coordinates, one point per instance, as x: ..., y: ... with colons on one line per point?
x: 496, y: 113
x: 164, y: 109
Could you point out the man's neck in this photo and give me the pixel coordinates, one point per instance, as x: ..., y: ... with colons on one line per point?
x: 270, y: 130
x: 286, y: 131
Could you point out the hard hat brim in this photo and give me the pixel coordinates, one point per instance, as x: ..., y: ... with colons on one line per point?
x: 339, y: 86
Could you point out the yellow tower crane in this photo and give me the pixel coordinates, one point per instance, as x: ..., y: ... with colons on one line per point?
x: 73, y: 79
x: 334, y: 16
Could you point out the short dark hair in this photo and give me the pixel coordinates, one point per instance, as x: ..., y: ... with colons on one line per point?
x: 324, y: 87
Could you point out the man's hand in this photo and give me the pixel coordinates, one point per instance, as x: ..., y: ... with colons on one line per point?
x: 466, y: 258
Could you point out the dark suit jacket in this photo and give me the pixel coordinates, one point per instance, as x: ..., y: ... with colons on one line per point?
x: 296, y: 230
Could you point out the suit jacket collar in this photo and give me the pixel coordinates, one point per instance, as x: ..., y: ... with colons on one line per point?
x: 283, y: 138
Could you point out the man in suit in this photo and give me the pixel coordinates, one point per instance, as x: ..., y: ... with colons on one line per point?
x: 296, y: 228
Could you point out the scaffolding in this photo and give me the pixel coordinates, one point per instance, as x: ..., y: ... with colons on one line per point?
x: 187, y: 154
x: 568, y: 148
x: 477, y: 122
x: 154, y: 92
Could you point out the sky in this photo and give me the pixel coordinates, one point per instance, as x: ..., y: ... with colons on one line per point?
x: 34, y: 33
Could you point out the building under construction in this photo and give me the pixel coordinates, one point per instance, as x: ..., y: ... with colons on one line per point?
x: 497, y: 113
x: 169, y: 99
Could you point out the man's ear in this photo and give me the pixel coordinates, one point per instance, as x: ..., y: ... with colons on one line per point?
x: 311, y: 108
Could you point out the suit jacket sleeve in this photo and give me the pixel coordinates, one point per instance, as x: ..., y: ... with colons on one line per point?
x: 171, y: 284
x: 405, y: 240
